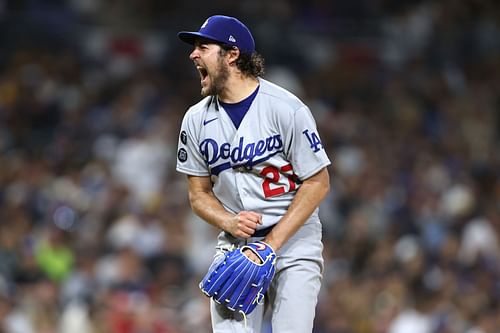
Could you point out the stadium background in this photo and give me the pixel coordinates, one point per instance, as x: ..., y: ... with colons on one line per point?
x: 96, y: 235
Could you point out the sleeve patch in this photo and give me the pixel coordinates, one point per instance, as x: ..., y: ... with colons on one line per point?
x: 182, y: 155
x: 184, y: 137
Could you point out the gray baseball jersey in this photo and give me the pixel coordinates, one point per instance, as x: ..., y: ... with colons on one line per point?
x: 259, y: 165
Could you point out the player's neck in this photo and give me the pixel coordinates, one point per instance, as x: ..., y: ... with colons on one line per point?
x: 238, y: 88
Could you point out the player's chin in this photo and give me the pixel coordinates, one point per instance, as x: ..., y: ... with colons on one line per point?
x: 206, y: 90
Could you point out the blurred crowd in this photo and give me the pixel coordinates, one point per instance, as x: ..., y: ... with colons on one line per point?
x: 96, y: 232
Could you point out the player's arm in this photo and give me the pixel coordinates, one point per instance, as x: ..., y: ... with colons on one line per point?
x: 308, y: 197
x: 209, y: 208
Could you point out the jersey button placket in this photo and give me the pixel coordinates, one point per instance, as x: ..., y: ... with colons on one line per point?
x: 240, y: 186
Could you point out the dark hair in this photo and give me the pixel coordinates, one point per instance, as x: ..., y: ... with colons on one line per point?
x: 248, y: 64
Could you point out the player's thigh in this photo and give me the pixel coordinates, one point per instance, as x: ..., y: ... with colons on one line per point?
x: 295, y: 289
x: 294, y: 297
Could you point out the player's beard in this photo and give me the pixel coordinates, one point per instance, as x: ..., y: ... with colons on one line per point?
x: 217, y: 80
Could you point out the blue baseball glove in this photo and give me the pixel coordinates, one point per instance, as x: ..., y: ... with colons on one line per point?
x: 236, y: 281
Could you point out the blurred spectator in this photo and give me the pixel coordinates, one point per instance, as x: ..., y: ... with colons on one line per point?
x: 53, y: 256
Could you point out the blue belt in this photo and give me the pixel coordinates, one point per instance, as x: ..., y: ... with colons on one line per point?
x: 258, y: 233
x: 262, y: 232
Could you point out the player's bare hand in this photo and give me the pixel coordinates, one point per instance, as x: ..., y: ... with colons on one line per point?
x: 244, y: 224
x: 252, y: 256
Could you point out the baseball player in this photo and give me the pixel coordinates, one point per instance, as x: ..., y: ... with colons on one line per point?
x: 257, y: 170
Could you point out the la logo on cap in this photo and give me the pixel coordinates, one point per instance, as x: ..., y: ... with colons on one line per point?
x: 232, y: 39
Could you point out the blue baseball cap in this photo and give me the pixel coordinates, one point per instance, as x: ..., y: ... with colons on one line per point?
x: 225, y: 30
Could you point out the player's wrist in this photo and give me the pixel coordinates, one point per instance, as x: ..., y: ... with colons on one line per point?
x: 228, y: 224
x: 273, y: 244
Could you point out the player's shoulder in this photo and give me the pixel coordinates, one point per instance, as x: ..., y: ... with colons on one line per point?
x: 198, y: 109
x: 279, y: 95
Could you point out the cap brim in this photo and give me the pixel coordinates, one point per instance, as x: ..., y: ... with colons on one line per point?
x: 190, y: 36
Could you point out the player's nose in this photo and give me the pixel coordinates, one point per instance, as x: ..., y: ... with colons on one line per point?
x: 194, y: 54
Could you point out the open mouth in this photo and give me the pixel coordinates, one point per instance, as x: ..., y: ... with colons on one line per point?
x: 203, y: 73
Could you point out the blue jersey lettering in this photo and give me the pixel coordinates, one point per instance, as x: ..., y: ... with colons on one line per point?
x: 243, y: 154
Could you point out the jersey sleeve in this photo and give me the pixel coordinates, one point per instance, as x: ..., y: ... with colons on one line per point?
x: 189, y: 158
x: 305, y: 150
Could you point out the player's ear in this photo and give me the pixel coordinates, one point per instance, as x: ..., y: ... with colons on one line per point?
x: 233, y: 54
